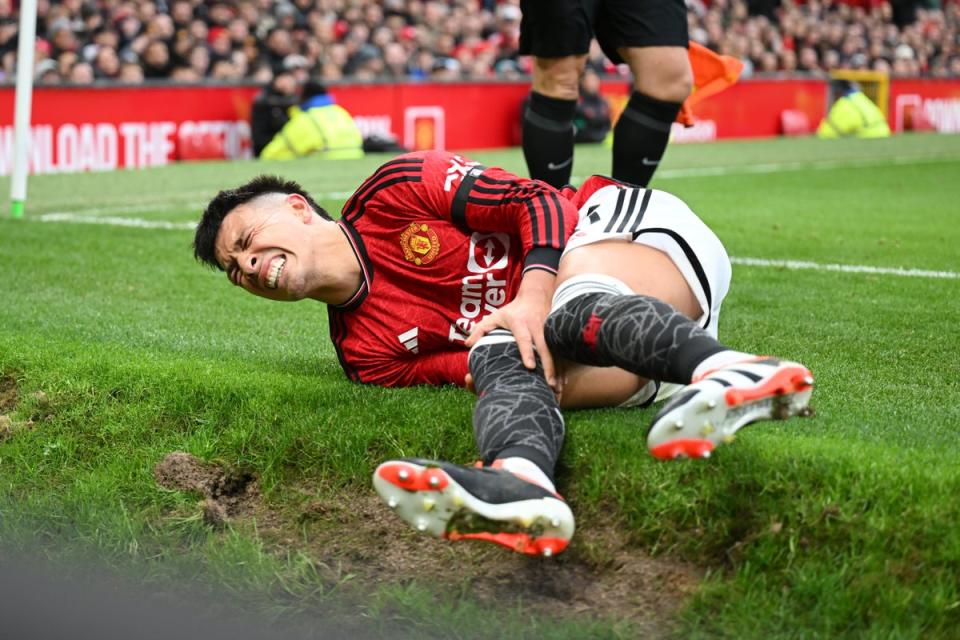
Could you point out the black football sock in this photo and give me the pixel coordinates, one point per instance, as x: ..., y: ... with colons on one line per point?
x: 517, y: 413
x: 640, y: 137
x: 634, y: 332
x: 548, y: 138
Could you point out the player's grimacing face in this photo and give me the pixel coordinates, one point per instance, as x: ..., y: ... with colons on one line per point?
x: 263, y: 247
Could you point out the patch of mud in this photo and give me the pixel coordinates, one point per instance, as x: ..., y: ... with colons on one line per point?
x: 9, y: 393
x: 9, y: 398
x: 227, y: 493
x: 9, y: 428
x: 598, y: 577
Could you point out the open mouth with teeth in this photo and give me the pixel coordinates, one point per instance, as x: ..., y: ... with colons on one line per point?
x: 276, y: 268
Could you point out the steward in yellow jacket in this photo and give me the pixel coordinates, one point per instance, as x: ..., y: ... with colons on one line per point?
x: 854, y: 115
x: 317, y: 127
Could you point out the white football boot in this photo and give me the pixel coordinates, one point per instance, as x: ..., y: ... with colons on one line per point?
x: 708, y: 412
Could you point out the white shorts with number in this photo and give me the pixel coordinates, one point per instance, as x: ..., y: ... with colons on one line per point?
x: 660, y: 220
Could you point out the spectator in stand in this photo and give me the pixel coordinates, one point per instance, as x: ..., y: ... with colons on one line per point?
x: 219, y: 44
x: 445, y: 70
x: 298, y: 66
x: 278, y: 45
x: 397, y: 39
x: 156, y: 60
x: 199, y: 60
x: 225, y: 71
x: 46, y: 73
x: 271, y: 107
x: 81, y: 73
x: 65, y: 62
x: 592, y: 118
x: 106, y: 64
x: 130, y: 73
x: 184, y: 74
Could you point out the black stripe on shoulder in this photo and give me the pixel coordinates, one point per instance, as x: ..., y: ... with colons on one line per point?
x: 497, y: 181
x: 361, y: 204
x: 494, y: 191
x: 548, y: 219
x: 458, y: 208
x: 393, y: 167
x: 558, y: 219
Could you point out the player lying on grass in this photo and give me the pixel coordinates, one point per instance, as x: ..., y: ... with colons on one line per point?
x: 434, y: 254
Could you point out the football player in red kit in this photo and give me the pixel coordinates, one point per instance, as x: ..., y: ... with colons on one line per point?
x: 439, y: 267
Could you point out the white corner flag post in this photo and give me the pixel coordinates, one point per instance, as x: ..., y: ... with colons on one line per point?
x: 21, y: 120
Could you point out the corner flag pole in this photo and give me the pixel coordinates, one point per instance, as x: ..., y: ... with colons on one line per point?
x: 21, y: 120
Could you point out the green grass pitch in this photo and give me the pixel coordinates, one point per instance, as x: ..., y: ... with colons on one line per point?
x: 116, y: 349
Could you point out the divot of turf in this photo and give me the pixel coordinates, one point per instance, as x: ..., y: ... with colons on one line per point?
x: 605, y: 580
x: 9, y: 393
x: 9, y: 428
x: 228, y: 494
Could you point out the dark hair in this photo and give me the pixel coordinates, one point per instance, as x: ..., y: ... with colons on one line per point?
x: 313, y: 88
x: 229, y: 199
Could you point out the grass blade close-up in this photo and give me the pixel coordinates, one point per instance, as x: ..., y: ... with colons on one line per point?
x: 117, y: 349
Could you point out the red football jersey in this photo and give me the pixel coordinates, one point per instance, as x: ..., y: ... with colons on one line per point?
x: 443, y: 242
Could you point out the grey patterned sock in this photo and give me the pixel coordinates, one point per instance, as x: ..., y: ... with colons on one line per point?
x: 517, y: 413
x: 634, y: 332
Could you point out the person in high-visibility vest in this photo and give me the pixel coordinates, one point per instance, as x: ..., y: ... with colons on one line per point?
x: 318, y: 127
x: 853, y: 115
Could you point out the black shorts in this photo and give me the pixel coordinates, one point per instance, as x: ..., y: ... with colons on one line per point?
x: 561, y: 28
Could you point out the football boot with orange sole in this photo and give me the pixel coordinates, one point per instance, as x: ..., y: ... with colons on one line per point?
x: 476, y: 503
x: 708, y: 412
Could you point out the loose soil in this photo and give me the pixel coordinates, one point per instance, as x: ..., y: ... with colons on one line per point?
x: 226, y: 494
x: 9, y: 393
x: 599, y: 577
x: 9, y: 398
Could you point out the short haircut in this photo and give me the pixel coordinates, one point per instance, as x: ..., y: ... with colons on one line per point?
x: 229, y: 199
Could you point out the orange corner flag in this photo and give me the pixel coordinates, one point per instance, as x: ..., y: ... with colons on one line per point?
x: 712, y: 73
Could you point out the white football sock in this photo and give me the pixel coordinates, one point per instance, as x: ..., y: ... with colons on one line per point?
x: 529, y: 471
x: 720, y: 359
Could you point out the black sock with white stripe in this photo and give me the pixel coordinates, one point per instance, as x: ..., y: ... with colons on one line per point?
x: 548, y: 138
x: 640, y: 137
x: 634, y: 332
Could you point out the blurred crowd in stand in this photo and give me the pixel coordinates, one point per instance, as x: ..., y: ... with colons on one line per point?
x: 127, y: 41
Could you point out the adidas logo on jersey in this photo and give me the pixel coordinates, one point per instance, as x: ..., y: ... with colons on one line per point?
x: 409, y: 339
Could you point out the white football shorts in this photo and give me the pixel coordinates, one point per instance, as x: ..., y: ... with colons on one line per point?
x: 662, y: 221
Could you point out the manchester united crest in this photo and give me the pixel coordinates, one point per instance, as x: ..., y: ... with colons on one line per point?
x: 420, y: 243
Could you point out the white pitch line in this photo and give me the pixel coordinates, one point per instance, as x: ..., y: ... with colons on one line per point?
x: 845, y: 268
x: 116, y: 222
x: 749, y: 262
x: 784, y: 167
x: 143, y: 206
